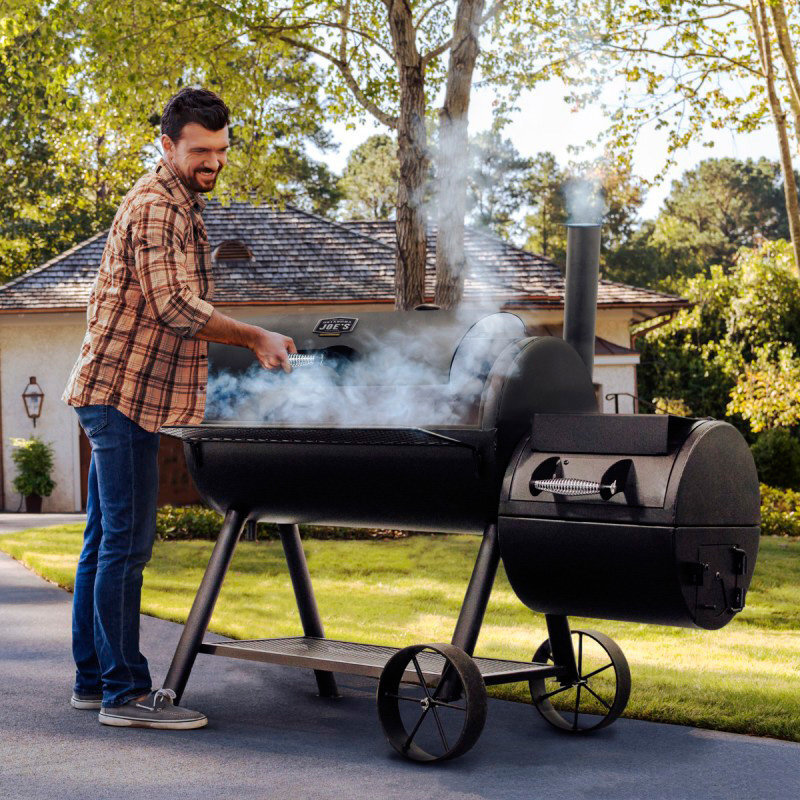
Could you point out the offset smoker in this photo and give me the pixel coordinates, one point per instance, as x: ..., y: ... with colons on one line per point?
x: 651, y: 519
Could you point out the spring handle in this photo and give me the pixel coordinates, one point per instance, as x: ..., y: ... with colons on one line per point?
x: 573, y: 487
x: 305, y: 359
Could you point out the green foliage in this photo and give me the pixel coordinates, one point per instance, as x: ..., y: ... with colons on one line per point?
x: 83, y: 85
x: 767, y: 392
x: 198, y: 522
x: 718, y: 207
x: 544, y: 186
x: 34, y: 461
x: 686, y: 67
x: 777, y: 456
x: 369, y: 180
x: 496, y: 183
x: 712, y: 211
x: 187, y: 522
x: 68, y: 155
x: 780, y: 512
x: 546, y: 191
x: 716, y: 354
x: 638, y: 261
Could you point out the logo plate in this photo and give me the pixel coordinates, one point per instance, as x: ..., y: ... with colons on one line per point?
x: 335, y: 326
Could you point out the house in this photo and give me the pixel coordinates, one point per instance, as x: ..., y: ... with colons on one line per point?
x: 276, y: 261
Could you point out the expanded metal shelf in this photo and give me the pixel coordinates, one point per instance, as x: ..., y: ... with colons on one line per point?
x: 353, y: 658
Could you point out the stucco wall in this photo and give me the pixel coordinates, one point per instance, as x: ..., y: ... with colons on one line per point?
x: 616, y: 378
x: 44, y: 345
x: 612, y: 324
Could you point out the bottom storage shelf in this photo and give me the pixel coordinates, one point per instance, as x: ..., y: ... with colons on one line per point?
x: 354, y: 658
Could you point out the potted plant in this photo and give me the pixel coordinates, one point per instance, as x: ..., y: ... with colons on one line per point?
x: 34, y: 462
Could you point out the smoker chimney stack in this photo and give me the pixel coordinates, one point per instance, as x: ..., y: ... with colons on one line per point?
x: 580, y: 289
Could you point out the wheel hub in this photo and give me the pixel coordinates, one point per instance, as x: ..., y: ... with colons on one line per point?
x: 425, y: 703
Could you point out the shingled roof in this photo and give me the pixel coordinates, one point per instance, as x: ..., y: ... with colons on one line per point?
x: 301, y: 258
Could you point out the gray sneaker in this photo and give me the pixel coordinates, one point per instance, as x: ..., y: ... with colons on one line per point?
x: 84, y: 701
x: 157, y: 710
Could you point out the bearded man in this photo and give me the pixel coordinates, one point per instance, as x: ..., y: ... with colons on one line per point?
x: 143, y: 364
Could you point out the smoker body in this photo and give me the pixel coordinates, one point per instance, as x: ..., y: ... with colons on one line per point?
x: 675, y: 544
x: 433, y: 478
x: 652, y: 519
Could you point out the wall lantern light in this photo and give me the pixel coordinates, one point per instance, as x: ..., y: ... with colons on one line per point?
x: 33, y: 397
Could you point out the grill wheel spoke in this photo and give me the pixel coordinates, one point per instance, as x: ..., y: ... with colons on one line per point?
x: 452, y: 727
x: 607, y: 687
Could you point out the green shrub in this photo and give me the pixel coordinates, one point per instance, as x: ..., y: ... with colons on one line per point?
x: 187, y: 522
x: 198, y: 522
x: 777, y: 456
x: 780, y: 512
x: 34, y: 461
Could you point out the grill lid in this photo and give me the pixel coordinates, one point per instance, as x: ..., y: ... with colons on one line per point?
x: 383, y: 348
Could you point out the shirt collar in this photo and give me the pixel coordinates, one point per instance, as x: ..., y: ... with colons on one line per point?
x: 176, y: 185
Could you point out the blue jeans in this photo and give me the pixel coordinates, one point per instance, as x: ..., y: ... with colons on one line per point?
x: 117, y: 543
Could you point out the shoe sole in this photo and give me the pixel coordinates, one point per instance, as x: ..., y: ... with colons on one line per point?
x: 129, y: 722
x: 91, y: 705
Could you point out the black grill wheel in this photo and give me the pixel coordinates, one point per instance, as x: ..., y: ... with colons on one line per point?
x: 449, y: 715
x: 597, y: 697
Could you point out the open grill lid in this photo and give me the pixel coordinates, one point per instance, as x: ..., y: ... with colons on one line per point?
x: 366, y: 349
x: 398, y: 369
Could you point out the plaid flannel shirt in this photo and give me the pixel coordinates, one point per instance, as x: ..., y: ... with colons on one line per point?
x: 147, y: 303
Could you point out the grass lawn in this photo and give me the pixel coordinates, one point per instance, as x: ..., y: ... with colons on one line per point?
x: 744, y: 678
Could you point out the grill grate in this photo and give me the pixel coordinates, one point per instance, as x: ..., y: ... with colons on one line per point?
x: 344, y: 436
x: 360, y: 659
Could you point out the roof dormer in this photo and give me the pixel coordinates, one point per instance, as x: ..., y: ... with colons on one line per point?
x: 232, y: 250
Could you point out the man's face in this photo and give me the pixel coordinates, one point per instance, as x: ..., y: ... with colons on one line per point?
x: 198, y: 156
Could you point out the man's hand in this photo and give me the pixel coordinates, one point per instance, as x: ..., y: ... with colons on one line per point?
x: 272, y: 349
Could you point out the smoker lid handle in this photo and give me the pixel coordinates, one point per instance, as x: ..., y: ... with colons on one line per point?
x: 573, y: 487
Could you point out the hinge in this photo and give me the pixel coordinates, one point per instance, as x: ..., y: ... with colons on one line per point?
x: 737, y: 599
x: 739, y: 561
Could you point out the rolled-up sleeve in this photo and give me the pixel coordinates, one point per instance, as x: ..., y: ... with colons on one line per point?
x: 159, y: 231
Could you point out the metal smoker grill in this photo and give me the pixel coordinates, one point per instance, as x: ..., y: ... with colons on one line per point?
x: 652, y: 519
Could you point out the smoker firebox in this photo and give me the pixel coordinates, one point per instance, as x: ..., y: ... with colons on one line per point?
x: 653, y: 519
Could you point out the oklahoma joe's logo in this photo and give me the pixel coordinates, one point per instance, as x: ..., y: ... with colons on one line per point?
x: 335, y: 326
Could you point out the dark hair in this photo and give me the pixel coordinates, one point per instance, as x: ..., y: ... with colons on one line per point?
x: 193, y: 105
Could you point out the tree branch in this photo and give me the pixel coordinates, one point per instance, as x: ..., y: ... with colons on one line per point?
x: 445, y: 46
x: 387, y: 119
x: 427, y: 11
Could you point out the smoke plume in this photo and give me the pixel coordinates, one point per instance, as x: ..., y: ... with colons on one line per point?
x: 586, y: 202
x: 397, y: 379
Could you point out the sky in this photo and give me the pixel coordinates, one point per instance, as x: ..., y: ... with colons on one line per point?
x: 546, y: 122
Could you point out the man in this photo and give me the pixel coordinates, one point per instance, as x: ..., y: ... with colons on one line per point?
x: 143, y: 365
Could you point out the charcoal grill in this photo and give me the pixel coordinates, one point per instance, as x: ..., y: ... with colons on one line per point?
x: 653, y: 519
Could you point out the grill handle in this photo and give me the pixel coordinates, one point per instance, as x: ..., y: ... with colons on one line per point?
x: 573, y: 487
x: 306, y: 359
x: 549, y: 477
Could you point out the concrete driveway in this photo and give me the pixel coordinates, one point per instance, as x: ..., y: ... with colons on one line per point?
x: 270, y: 737
x: 11, y: 522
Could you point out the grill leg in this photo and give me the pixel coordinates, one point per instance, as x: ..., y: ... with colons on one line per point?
x: 561, y: 645
x: 204, y: 601
x: 306, y: 603
x: 476, y: 599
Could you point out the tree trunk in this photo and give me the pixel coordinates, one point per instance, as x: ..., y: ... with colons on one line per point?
x: 412, y: 153
x: 453, y: 155
x: 790, y: 61
x: 758, y: 19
